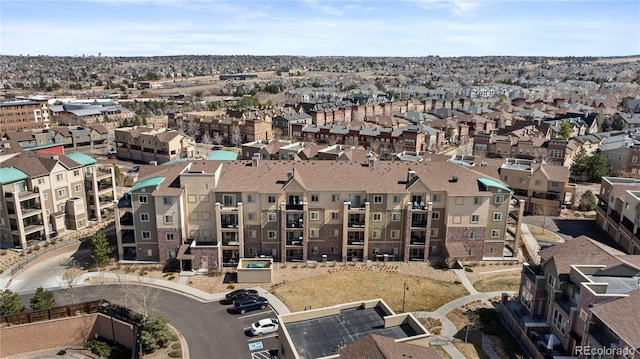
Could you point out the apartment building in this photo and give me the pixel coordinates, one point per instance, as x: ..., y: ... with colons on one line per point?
x: 583, y: 296
x: 210, y: 213
x: 552, y: 150
x: 86, y: 113
x: 618, y: 211
x: 23, y: 115
x: 146, y: 144
x: 542, y: 187
x: 46, y: 195
x: 88, y: 140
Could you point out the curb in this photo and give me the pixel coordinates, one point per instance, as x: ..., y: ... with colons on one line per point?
x: 183, y: 342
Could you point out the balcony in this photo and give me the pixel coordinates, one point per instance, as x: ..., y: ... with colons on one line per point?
x: 230, y: 239
x: 294, y: 241
x: 22, y: 196
x: 356, y: 221
x: 603, y: 205
x: 125, y: 202
x: 419, y: 220
x: 355, y: 240
x: 101, y: 174
x: 229, y: 220
x: 627, y: 224
x: 126, y: 220
x: 533, y: 273
x: 294, y: 207
x: 32, y: 227
x: 615, y: 216
x: 128, y: 237
x: 418, y: 206
x: 203, y: 241
x: 415, y: 241
x: 562, y: 301
x: 31, y: 211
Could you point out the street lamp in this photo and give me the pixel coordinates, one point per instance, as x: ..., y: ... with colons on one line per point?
x: 404, y: 295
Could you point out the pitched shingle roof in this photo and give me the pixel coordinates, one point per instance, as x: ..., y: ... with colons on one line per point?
x: 375, y: 346
x: 622, y: 317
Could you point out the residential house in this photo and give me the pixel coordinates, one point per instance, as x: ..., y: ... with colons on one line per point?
x: 146, y: 144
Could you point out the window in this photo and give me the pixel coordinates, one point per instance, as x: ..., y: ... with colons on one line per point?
x: 335, y: 233
x: 144, y: 217
x: 436, y: 198
x: 473, y: 235
x: 204, y: 198
x: 166, y: 200
x: 314, y: 215
x: 335, y: 197
x: 170, y: 237
x: 433, y: 232
x: 228, y: 200
x: 492, y: 250
x: 395, y: 216
x: 271, y: 199
x: 395, y: 233
x: 377, y: 216
x: 271, y: 217
x: 148, y: 252
x: 634, y: 159
x: 497, y: 216
x: 314, y: 198
x: 62, y: 192
x: 78, y: 188
x: 314, y: 250
x: 251, y: 198
x: 333, y: 250
x: 507, y: 178
x: 142, y: 198
x: 538, y: 182
x: 252, y: 233
x: 59, y: 177
x: 168, y: 219
x: 272, y: 234
x: 477, y: 200
x: 251, y: 216
x: 146, y: 235
x: 522, y: 180
x: 63, y: 208
x: 559, y: 321
x: 499, y: 198
x: 470, y: 252
x: 551, y: 281
x: 554, y: 184
x: 475, y: 218
x: 377, y: 199
x: 46, y: 196
x: 76, y: 173
x: 495, y: 233
x: 313, y: 233
x: 335, y: 215
x: 435, y: 215
x: 375, y: 234
x: 40, y: 180
x: 459, y: 201
x: 396, y: 199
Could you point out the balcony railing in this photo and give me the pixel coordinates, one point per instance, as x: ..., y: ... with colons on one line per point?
x: 294, y: 242
x: 294, y: 207
x: 205, y: 241
x: 627, y: 224
x: 419, y: 224
x: 615, y: 216
x: 417, y: 240
x: 128, y: 237
x: 355, y: 241
x: 358, y: 224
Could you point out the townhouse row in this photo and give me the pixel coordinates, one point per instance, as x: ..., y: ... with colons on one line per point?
x: 204, y: 214
x: 44, y: 195
x: 581, y: 301
x: 618, y: 211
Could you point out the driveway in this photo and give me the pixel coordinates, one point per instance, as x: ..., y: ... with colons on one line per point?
x: 572, y: 228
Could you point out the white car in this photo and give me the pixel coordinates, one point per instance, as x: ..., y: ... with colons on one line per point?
x: 264, y: 326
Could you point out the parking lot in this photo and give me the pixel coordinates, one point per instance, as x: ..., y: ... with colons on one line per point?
x: 245, y: 344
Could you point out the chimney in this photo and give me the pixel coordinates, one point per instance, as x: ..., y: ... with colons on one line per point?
x: 255, y: 160
x: 411, y: 175
x: 55, y: 157
x: 454, y: 179
x: 290, y: 174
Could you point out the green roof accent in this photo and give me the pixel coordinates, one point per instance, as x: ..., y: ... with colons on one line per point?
x: 177, y: 160
x: 82, y: 159
x: 459, y: 162
x: 221, y: 155
x: 488, y: 182
x: 11, y: 174
x: 46, y: 145
x: 149, y: 182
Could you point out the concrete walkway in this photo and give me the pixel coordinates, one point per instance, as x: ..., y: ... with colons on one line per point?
x: 448, y: 328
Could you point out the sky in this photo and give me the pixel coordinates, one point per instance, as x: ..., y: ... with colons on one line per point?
x: 320, y: 28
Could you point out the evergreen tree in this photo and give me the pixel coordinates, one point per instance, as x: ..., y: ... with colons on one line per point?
x: 100, y: 249
x: 42, y: 299
x: 598, y: 167
x: 565, y: 129
x: 10, y: 303
x: 588, y: 201
x: 154, y: 333
x: 580, y: 163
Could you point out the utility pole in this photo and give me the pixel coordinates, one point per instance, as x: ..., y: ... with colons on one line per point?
x: 404, y: 294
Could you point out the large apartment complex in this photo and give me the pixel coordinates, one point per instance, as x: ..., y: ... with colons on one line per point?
x: 45, y: 195
x: 23, y: 115
x: 581, y: 302
x: 208, y: 213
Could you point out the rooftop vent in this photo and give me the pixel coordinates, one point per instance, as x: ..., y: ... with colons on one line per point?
x: 454, y: 179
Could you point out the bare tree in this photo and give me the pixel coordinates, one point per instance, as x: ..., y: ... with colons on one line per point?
x: 207, y: 141
x: 398, y: 146
x: 193, y: 130
x: 310, y: 138
x: 352, y: 141
x: 180, y: 125
x: 546, y: 210
x: 541, y: 154
x: 68, y: 277
x: 375, y: 146
x: 332, y: 140
x: 236, y: 136
x: 217, y: 139
x: 144, y: 297
x: 277, y: 133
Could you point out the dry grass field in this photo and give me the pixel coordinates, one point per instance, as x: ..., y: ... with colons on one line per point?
x: 424, y: 294
x: 509, y: 281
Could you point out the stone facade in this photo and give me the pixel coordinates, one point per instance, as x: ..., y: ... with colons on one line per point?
x: 462, y: 234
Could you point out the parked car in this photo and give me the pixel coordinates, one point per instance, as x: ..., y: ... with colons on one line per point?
x: 250, y: 303
x: 239, y: 294
x: 135, y: 169
x: 265, y: 326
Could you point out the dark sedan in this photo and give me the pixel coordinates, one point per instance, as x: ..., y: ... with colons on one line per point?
x: 239, y: 294
x: 250, y: 303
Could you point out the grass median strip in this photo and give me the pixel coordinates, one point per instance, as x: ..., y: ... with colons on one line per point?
x: 424, y: 294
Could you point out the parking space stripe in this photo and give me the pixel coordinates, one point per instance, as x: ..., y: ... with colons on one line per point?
x: 256, y: 314
x: 263, y: 337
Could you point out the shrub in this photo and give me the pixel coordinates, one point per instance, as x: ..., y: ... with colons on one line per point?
x: 45, y: 244
x: 468, y: 269
x: 174, y: 338
x: 231, y: 287
x: 92, y: 269
x: 457, y: 282
x: 98, y: 347
x: 142, y: 272
x: 36, y: 247
x: 175, y: 346
x: 3, y: 252
x: 175, y: 354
